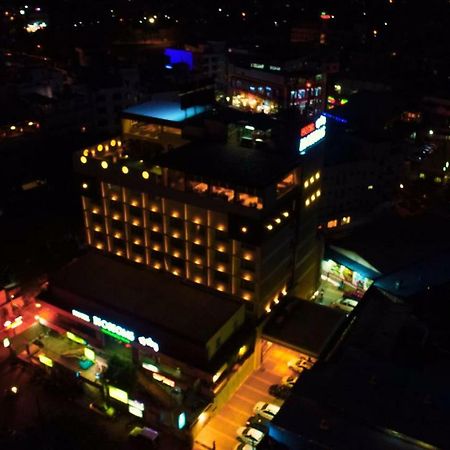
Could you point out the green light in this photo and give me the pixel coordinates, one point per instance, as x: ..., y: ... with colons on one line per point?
x: 46, y: 360
x: 181, y: 421
x: 89, y: 354
x: 114, y: 335
x: 75, y: 338
x: 118, y: 394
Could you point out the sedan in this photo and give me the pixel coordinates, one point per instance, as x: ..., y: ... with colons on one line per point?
x: 289, y: 381
x: 266, y: 410
x: 259, y: 423
x: 299, y: 365
x: 242, y: 446
x: 279, y: 391
x: 250, y: 435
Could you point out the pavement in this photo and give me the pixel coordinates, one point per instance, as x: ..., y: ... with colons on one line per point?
x: 221, y: 429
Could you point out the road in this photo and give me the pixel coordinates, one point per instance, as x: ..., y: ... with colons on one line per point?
x: 45, y: 416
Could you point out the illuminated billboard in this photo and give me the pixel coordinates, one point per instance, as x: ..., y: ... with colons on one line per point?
x: 116, y: 331
x: 312, y: 133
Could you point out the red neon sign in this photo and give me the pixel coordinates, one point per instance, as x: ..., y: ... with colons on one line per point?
x: 308, y: 129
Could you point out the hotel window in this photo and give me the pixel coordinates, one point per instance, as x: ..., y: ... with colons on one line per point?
x: 177, y: 243
x: 286, y: 184
x: 222, y: 257
x: 221, y: 276
x: 221, y: 236
x: 156, y: 256
x: 250, y: 201
x: 248, y: 285
x: 197, y: 230
x: 155, y: 217
x: 199, y: 250
x: 247, y: 265
x: 222, y: 193
x: 198, y: 187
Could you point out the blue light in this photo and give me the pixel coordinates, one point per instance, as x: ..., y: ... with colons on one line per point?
x: 165, y: 110
x: 336, y: 118
x: 177, y: 56
x: 181, y: 421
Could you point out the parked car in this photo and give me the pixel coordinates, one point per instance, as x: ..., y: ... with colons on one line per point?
x: 299, y: 365
x: 279, y: 391
x: 266, y: 410
x: 103, y: 409
x: 345, y: 304
x: 243, y: 446
x: 289, y: 381
x: 250, y: 435
x: 259, y: 423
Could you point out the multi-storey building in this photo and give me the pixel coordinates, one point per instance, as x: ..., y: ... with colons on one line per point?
x: 229, y: 216
x: 199, y: 221
x: 259, y: 83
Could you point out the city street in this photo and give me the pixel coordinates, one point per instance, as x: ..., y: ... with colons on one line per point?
x: 43, y: 415
x: 221, y: 429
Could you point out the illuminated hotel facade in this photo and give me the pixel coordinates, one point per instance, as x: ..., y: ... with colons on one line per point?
x: 199, y: 221
x: 214, y: 224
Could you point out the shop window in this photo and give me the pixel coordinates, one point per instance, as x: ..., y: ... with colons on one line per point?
x: 332, y: 224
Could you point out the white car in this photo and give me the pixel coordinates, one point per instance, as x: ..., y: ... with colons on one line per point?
x: 242, y: 446
x: 299, y: 365
x: 250, y: 435
x: 266, y: 410
x: 346, y: 304
x: 289, y: 381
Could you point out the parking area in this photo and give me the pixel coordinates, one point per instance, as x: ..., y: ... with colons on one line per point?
x: 220, y: 432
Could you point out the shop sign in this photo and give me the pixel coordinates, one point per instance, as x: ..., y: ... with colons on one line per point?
x: 312, y: 133
x: 116, y: 330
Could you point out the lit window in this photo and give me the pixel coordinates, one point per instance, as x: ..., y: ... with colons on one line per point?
x: 332, y: 224
x: 99, y: 147
x: 244, y: 229
x: 306, y: 184
x: 285, y: 214
x: 278, y: 220
x: 86, y: 152
x: 311, y: 180
x: 422, y: 176
x: 313, y: 197
x: 318, y: 193
x: 83, y: 160
x: 145, y: 175
x: 113, y: 143
x: 370, y: 187
x: 317, y: 176
x: 104, y: 164
x: 269, y: 227
x: 346, y: 220
x: 307, y: 202
x: 125, y: 169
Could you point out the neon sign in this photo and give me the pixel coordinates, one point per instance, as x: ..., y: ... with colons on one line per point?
x: 312, y: 133
x: 116, y: 331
